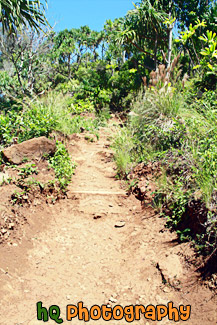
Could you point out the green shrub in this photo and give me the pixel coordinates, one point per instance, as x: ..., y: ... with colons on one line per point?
x: 33, y: 122
x: 62, y: 165
x: 80, y: 106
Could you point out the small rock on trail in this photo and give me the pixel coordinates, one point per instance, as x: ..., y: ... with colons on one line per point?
x: 120, y: 224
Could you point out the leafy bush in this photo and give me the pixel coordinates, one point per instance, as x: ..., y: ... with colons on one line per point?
x: 70, y: 86
x: 26, y: 124
x: 62, y: 165
x: 80, y: 106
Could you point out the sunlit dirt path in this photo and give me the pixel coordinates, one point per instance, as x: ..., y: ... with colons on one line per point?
x: 96, y: 246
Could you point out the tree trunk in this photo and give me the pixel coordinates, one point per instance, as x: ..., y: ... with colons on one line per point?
x: 30, y: 68
x: 69, y: 66
x: 102, y: 51
x: 155, y: 52
x: 170, y: 36
x: 18, y: 73
x: 124, y: 56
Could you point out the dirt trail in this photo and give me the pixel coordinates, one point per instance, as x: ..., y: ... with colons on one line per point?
x: 73, y: 252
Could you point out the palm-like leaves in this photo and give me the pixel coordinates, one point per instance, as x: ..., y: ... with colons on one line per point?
x: 145, y: 19
x: 144, y: 28
x: 151, y: 14
x: 14, y: 13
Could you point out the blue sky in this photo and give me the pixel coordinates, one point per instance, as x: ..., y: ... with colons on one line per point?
x: 75, y: 13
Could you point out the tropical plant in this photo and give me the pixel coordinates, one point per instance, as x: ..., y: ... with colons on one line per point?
x: 144, y: 28
x: 16, y: 13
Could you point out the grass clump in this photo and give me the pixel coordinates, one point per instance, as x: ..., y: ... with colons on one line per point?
x: 177, y: 129
x: 123, y: 146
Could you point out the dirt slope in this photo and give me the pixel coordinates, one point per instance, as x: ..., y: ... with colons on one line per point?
x: 73, y: 252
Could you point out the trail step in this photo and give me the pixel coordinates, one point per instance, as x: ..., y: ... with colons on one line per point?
x: 96, y: 193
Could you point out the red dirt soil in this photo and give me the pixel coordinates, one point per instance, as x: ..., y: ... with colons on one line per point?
x: 97, y: 246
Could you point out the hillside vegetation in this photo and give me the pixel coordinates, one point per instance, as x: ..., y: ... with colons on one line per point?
x: 156, y: 68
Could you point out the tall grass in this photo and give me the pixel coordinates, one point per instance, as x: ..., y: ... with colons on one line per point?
x: 124, y: 157
x: 43, y: 115
x: 179, y: 131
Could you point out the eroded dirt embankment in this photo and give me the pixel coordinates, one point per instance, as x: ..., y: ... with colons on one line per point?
x: 97, y: 246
